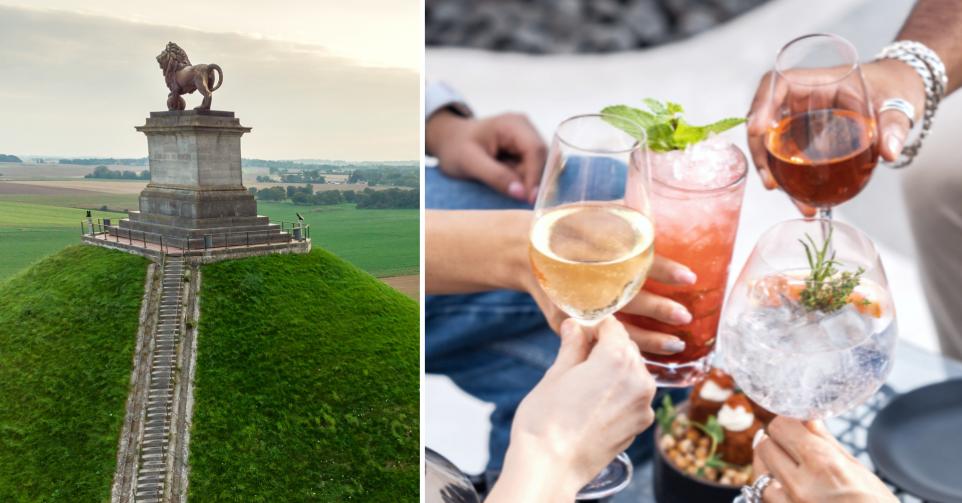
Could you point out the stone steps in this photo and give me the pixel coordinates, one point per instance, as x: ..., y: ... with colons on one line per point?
x: 155, y: 441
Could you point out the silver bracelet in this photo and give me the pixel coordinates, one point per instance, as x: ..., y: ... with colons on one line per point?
x: 930, y: 68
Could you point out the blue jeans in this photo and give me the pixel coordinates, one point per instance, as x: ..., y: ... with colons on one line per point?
x: 496, y: 345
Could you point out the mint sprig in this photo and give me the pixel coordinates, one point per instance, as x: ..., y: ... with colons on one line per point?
x: 663, y: 124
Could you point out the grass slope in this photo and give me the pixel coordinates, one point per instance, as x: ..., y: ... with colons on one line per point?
x: 382, y: 242
x: 31, y: 231
x: 68, y: 328
x: 307, y: 384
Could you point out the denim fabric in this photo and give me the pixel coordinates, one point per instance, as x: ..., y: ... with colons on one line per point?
x: 496, y: 345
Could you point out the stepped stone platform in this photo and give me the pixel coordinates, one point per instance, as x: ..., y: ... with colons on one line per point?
x: 196, y: 186
x: 196, y: 202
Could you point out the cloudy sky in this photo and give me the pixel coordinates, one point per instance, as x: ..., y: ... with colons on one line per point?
x: 315, y: 79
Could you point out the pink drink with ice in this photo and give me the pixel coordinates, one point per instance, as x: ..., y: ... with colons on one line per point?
x: 696, y: 198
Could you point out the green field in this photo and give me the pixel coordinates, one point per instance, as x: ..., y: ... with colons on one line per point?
x: 68, y: 327
x: 29, y: 232
x: 382, y: 242
x: 307, y: 384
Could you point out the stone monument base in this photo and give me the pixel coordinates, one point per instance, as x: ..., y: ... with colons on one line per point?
x: 196, y: 198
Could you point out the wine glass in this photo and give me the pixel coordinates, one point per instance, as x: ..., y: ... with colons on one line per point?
x: 804, y: 346
x: 591, y: 240
x: 822, y: 144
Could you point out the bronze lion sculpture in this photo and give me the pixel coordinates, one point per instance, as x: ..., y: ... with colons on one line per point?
x: 184, y: 78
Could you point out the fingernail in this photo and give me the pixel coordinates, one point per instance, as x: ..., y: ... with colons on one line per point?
x: 894, y: 144
x: 686, y: 276
x: 516, y: 190
x: 568, y: 328
x: 759, y: 435
x: 680, y: 315
x: 673, y: 345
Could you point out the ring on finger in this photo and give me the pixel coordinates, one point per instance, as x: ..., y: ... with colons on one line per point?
x: 899, y: 105
x: 753, y: 493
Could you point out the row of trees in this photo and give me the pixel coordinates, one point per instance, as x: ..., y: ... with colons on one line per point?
x: 400, y: 176
x: 9, y: 158
x: 141, y: 161
x: 105, y: 172
x: 366, y: 199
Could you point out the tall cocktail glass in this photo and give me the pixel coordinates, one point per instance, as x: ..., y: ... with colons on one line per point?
x: 696, y: 198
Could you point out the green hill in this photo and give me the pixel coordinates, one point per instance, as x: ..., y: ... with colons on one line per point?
x: 68, y: 326
x: 307, y: 384
x: 307, y: 380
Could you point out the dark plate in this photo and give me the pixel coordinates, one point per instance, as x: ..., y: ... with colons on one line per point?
x: 916, y: 442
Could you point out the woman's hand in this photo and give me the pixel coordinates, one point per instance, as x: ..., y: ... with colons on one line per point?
x: 589, y: 406
x: 885, y: 79
x: 809, y: 466
x: 477, y: 251
x: 645, y: 303
x: 504, y: 151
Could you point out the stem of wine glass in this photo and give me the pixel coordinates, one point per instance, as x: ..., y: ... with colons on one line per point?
x: 826, y: 215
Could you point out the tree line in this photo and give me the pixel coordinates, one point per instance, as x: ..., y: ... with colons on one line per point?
x: 365, y: 199
x: 105, y: 172
x: 9, y: 158
x: 305, y: 177
x: 140, y: 161
x: 401, y: 176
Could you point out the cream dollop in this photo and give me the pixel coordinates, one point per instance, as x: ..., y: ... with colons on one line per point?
x: 712, y: 391
x: 735, y: 419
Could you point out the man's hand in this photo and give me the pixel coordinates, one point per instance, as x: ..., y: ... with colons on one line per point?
x: 504, y: 151
x: 884, y: 79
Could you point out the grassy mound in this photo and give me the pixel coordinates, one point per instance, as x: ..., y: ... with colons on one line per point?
x: 307, y: 384
x: 68, y: 327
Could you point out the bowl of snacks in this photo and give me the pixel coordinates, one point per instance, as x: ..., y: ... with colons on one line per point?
x: 704, y: 445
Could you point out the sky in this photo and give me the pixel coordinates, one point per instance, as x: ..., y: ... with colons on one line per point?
x: 314, y: 79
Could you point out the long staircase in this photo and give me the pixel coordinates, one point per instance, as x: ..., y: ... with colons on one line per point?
x: 152, y: 468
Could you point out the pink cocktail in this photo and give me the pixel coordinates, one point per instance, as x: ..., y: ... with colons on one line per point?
x: 696, y: 199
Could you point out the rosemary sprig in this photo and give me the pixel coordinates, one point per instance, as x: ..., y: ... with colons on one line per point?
x: 826, y: 289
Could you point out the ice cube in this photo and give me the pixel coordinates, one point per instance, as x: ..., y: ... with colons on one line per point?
x: 711, y: 163
x: 845, y: 328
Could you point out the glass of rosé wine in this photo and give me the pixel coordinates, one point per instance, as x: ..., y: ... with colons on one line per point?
x: 822, y: 144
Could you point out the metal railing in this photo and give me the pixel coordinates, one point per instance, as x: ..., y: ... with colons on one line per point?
x: 207, y: 241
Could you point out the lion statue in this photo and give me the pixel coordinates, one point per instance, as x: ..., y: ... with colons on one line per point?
x: 184, y: 78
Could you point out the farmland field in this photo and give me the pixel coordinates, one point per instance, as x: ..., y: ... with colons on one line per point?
x: 29, y: 232
x: 382, y: 242
x: 39, y: 219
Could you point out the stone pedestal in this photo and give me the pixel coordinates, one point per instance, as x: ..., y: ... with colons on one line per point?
x: 195, y: 188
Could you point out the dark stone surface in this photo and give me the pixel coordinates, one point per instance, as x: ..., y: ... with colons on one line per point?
x: 572, y: 26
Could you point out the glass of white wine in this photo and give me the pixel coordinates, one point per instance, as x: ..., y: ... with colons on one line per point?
x: 591, y: 243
